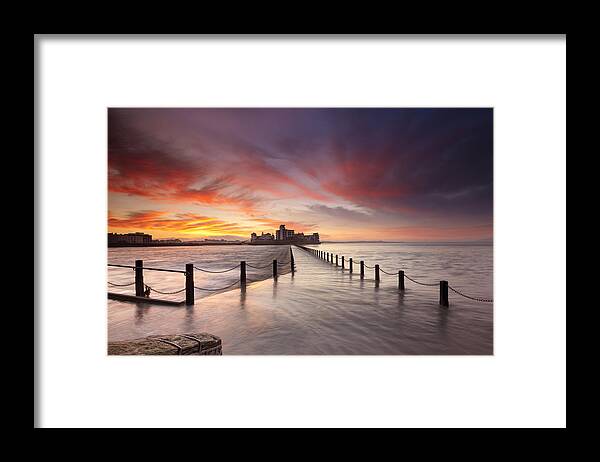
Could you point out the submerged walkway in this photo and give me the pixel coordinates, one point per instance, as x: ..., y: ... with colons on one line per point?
x: 319, y: 309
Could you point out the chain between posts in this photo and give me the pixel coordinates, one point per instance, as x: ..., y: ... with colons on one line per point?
x: 216, y: 272
x: 352, y: 261
x: 484, y: 300
x: 121, y: 285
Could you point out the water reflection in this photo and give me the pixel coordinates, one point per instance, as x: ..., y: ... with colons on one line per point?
x: 400, y: 297
x: 140, y: 310
x: 275, y: 287
x: 442, y: 320
x: 321, y: 310
x: 243, y: 297
x: 189, y: 319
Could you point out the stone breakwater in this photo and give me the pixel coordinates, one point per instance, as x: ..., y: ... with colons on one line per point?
x: 180, y: 344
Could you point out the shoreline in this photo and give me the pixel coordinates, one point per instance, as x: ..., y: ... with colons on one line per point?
x: 197, y: 244
x: 174, y: 244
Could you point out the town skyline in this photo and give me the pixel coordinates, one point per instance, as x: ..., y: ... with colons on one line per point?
x: 348, y: 174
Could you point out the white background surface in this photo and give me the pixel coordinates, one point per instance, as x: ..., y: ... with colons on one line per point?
x: 523, y: 384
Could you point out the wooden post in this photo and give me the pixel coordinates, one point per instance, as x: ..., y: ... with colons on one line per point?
x: 376, y: 273
x: 189, y: 284
x: 327, y: 257
x: 401, y: 280
x: 362, y: 269
x: 274, y: 268
x: 139, y: 278
x: 243, y: 273
x: 444, y: 293
x: 292, y: 259
x: 350, y: 264
x: 336, y: 260
x: 342, y: 262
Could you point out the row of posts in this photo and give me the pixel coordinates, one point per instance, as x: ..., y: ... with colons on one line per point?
x: 329, y: 257
x: 189, y: 277
x: 140, y: 287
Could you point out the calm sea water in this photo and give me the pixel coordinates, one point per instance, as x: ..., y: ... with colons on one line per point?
x: 318, y: 309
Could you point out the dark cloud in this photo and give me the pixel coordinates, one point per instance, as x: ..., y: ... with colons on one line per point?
x: 409, y: 159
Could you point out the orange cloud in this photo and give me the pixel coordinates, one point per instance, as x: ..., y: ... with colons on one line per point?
x: 182, y: 223
x: 415, y: 167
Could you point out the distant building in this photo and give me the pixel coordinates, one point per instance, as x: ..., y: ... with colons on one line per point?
x: 283, y: 234
x: 129, y: 238
x: 262, y: 237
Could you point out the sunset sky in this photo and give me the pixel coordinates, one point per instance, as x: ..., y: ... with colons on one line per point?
x: 349, y: 174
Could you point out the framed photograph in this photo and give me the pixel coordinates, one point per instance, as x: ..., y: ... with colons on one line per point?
x: 316, y: 221
x: 281, y: 230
